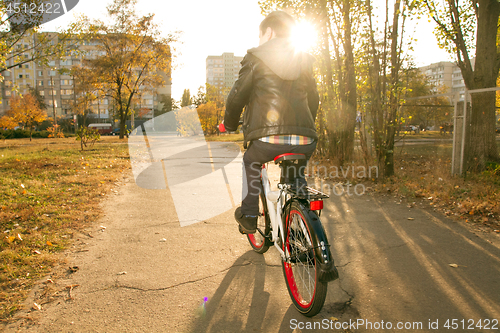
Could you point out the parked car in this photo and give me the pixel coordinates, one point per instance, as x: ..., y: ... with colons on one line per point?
x: 116, y: 131
x: 103, y: 129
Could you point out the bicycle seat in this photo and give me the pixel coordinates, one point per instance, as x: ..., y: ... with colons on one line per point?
x: 289, y: 157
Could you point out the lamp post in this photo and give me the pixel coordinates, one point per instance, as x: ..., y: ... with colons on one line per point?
x: 53, y: 100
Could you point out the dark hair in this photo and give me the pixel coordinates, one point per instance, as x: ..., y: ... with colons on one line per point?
x: 280, y: 22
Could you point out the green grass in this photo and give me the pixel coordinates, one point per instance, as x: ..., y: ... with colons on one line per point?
x: 49, y: 191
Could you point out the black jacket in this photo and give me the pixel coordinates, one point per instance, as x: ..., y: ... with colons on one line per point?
x: 277, y: 86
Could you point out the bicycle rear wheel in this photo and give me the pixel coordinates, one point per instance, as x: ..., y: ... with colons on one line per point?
x: 258, y: 242
x: 301, y: 273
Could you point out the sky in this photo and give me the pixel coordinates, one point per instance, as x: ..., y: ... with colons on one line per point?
x: 212, y: 27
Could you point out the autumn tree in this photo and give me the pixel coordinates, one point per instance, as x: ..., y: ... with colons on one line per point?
x: 210, y: 116
x: 186, y: 98
x: 88, y: 88
x: 18, y: 26
x: 200, y: 97
x: 463, y: 28
x: 133, y: 56
x: 168, y: 104
x: 426, y: 112
x: 25, y: 110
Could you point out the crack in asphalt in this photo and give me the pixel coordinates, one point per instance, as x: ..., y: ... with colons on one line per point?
x: 343, y: 265
x: 117, y: 285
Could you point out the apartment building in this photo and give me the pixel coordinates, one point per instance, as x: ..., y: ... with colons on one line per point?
x: 57, y: 86
x: 222, y: 71
x: 446, y: 73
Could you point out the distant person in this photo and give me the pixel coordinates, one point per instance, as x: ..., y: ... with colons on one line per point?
x: 277, y: 87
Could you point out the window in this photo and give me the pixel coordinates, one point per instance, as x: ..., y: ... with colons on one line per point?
x: 52, y: 63
x: 20, y: 76
x: 40, y: 83
x: 52, y: 73
x: 49, y: 83
x: 52, y: 92
x: 27, y: 76
x: 66, y: 82
x: 6, y: 73
x: 40, y: 73
x: 7, y: 93
x: 42, y: 92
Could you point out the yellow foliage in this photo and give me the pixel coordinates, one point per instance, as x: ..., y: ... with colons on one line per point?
x: 26, y: 110
x: 210, y: 117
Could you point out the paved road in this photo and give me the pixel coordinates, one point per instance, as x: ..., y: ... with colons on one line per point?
x: 146, y: 273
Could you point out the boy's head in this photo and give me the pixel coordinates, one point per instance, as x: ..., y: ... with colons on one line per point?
x: 276, y: 24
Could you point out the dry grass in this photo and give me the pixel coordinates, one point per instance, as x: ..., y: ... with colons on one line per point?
x: 424, y: 173
x: 50, y: 190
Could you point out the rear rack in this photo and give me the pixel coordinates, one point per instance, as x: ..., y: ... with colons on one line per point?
x: 308, y: 193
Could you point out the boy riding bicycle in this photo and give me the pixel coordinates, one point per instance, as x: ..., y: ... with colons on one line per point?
x: 277, y: 86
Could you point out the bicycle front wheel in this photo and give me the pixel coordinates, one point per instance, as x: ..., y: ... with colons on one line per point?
x: 301, y: 273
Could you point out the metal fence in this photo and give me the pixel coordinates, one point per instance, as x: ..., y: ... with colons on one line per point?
x: 460, y: 121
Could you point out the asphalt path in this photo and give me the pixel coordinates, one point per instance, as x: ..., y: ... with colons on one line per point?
x: 407, y: 267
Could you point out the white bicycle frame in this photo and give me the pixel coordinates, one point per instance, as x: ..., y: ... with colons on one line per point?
x: 275, y: 201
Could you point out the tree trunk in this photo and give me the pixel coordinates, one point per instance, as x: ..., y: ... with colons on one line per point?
x: 388, y: 170
x: 482, y: 143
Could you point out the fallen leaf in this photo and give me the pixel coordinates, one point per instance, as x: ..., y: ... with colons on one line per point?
x: 163, y: 240
x: 49, y: 243
x: 19, y: 237
x: 121, y: 273
x: 10, y: 239
x: 453, y: 265
x: 411, y: 218
x: 37, y: 306
x: 37, y: 252
x: 333, y: 319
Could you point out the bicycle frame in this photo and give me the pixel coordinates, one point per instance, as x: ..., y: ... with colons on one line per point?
x: 275, y: 201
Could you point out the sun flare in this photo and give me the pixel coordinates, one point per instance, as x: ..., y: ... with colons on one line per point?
x: 304, y: 36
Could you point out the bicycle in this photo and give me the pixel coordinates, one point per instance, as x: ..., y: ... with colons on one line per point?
x: 289, y: 219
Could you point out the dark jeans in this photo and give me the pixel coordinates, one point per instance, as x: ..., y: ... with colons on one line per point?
x: 257, y: 154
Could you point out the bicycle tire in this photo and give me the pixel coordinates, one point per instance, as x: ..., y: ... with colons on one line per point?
x: 306, y: 290
x: 259, y: 243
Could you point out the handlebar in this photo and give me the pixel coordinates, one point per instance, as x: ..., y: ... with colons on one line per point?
x: 222, y: 128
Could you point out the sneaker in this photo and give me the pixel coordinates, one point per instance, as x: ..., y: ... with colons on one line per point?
x: 248, y: 223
